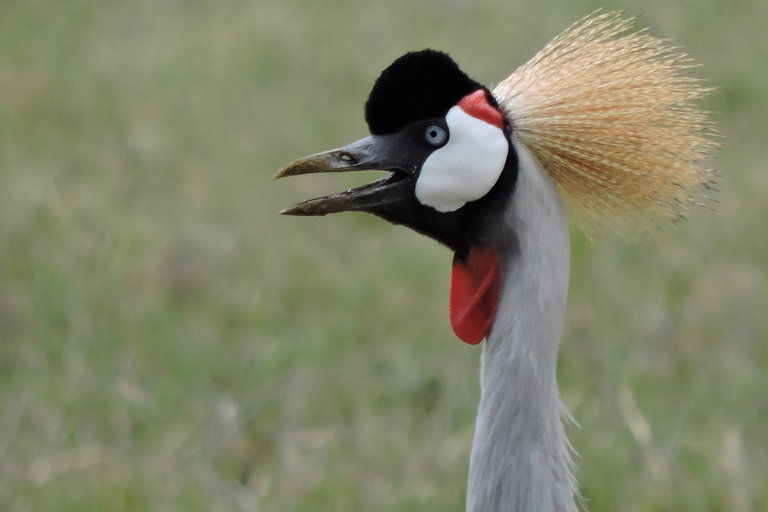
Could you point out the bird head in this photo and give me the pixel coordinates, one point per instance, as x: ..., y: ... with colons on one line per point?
x: 446, y: 144
x: 610, y: 117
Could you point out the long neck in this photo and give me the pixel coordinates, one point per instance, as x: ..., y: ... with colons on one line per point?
x: 520, y: 456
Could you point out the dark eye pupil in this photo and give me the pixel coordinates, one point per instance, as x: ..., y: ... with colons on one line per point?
x: 433, y: 133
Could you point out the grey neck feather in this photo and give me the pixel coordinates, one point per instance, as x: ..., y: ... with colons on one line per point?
x: 520, y: 456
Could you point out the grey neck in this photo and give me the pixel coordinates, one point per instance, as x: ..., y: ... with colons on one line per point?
x: 520, y: 456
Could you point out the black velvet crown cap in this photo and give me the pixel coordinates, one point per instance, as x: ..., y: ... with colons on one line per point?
x: 417, y: 86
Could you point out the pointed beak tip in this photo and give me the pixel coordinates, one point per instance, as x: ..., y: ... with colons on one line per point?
x: 282, y: 173
x: 310, y: 208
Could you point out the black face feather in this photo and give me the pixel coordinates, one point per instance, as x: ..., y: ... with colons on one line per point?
x: 473, y: 224
x: 417, y: 86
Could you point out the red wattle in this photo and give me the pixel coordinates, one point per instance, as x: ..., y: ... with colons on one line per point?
x: 475, y: 285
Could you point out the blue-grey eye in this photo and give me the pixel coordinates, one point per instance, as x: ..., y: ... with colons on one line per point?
x: 435, y: 134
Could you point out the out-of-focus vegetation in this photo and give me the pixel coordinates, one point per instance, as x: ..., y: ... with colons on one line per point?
x: 169, y: 342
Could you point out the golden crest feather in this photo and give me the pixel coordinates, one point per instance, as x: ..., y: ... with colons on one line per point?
x: 610, y: 115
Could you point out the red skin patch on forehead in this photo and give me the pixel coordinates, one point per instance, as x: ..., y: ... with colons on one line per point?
x: 477, y: 105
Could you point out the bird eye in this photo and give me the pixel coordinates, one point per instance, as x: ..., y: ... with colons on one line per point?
x: 435, y: 134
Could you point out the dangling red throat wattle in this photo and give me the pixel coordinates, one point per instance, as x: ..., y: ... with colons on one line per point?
x: 475, y: 286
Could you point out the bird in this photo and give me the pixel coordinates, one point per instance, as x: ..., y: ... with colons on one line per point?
x: 603, y: 127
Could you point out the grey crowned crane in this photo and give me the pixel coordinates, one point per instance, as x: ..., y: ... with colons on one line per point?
x: 601, y: 124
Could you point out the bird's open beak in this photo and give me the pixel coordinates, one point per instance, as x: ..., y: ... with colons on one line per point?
x: 371, y: 153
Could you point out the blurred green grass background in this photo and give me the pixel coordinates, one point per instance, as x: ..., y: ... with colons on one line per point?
x: 169, y: 342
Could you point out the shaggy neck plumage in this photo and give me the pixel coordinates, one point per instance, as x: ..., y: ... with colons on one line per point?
x: 520, y: 455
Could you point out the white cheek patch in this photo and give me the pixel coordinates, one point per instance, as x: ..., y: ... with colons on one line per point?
x: 467, y: 167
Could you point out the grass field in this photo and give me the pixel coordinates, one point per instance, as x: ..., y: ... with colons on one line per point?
x: 168, y: 342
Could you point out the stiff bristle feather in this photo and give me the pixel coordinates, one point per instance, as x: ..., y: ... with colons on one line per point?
x: 611, y: 117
